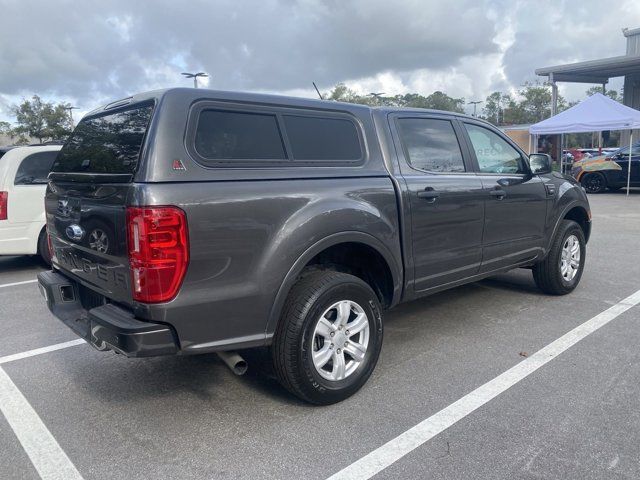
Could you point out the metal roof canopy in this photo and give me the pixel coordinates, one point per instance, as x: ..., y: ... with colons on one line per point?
x: 598, y: 71
x: 593, y: 71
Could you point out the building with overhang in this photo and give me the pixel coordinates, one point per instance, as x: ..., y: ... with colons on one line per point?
x: 600, y: 71
x: 597, y: 72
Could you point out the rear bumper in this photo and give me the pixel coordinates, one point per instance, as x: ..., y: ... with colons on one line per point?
x: 19, y: 238
x: 106, y: 327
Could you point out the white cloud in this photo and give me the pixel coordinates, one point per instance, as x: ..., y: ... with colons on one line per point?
x: 88, y: 52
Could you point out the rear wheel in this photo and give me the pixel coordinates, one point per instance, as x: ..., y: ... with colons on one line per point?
x: 594, y: 182
x: 560, y: 272
x: 43, y: 247
x: 329, y: 337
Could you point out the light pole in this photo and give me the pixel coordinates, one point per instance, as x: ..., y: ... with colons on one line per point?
x: 475, y: 104
x: 195, y: 77
x: 377, y: 96
x: 70, y: 109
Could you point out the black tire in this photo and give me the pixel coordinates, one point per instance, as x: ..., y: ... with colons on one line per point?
x: 548, y: 274
x: 43, y: 247
x: 313, y: 294
x: 594, y: 182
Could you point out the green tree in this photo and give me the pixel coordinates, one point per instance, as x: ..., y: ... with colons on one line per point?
x: 531, y: 104
x: 535, y: 103
x: 41, y: 120
x: 5, y: 128
x: 495, y: 106
x: 342, y: 93
x: 16, y: 138
x: 612, y: 94
x: 437, y: 100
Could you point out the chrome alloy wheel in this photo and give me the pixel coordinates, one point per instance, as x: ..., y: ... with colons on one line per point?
x: 99, y: 241
x: 340, y: 340
x: 570, y: 258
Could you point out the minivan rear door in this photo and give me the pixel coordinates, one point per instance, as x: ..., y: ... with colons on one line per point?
x: 89, y: 189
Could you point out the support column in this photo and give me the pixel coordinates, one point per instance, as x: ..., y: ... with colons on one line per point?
x: 554, y: 95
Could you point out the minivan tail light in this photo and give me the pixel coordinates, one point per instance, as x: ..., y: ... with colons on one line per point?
x: 158, y: 247
x: 4, y: 197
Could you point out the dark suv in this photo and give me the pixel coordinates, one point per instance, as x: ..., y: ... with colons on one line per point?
x: 234, y: 220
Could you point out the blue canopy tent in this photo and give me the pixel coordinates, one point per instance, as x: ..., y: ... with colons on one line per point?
x: 594, y: 114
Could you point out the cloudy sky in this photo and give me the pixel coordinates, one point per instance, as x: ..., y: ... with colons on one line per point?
x: 88, y: 52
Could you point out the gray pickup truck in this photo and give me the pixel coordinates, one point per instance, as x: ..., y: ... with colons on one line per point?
x: 187, y: 221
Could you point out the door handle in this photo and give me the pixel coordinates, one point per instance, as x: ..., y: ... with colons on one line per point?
x: 498, y: 193
x: 429, y: 194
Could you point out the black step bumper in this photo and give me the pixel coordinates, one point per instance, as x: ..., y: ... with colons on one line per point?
x: 106, y: 327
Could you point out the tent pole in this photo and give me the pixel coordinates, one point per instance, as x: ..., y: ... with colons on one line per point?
x: 629, y: 163
x: 562, y: 153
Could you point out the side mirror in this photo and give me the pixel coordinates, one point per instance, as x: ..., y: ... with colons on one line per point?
x: 540, y: 163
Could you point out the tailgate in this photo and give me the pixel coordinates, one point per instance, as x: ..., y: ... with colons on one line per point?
x: 89, y: 189
x: 87, y: 227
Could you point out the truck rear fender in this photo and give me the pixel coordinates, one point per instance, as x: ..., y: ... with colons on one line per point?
x: 385, y: 244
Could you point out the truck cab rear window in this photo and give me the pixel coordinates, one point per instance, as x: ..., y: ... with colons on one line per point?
x: 106, y: 144
x: 225, y: 135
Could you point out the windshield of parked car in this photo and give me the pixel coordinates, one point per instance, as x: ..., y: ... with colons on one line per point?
x: 625, y: 150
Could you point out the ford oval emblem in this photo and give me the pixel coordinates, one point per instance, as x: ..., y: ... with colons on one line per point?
x: 75, y: 232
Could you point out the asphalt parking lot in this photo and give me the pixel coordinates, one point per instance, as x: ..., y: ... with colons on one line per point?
x: 576, y: 416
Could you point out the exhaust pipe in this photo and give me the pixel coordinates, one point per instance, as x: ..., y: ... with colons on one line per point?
x: 235, y: 362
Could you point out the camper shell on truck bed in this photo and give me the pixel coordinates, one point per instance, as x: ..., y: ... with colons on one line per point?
x: 187, y: 221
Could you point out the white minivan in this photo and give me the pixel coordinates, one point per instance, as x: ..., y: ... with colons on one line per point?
x: 23, y: 181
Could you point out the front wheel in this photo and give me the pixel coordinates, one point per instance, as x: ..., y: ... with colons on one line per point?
x: 560, y: 272
x: 594, y: 183
x: 329, y: 337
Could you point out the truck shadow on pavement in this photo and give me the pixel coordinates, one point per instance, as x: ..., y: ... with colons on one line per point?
x: 207, y: 382
x: 200, y: 378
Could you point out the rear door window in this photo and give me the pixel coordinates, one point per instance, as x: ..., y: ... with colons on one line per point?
x: 109, y: 143
x: 35, y: 168
x: 322, y: 138
x: 431, y: 145
x: 227, y: 135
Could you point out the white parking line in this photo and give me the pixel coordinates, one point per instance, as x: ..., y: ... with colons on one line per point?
x: 40, y: 351
x: 5, y: 285
x: 43, y: 450
x: 392, y: 451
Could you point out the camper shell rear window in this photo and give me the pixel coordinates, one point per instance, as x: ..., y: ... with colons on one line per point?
x: 107, y: 143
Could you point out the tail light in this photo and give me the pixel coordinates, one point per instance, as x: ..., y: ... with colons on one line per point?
x: 4, y: 197
x: 158, y: 252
